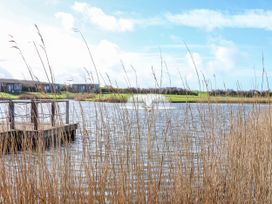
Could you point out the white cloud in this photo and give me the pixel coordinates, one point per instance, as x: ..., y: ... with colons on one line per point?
x: 102, y: 20
x: 68, y: 56
x: 221, y: 59
x: 67, y: 20
x: 211, y: 19
x: 224, y: 58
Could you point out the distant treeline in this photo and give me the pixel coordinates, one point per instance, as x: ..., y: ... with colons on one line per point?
x: 250, y: 93
x: 176, y: 91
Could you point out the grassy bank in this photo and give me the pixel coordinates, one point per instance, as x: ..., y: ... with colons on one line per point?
x: 123, y: 156
x: 216, y: 99
x: 67, y: 95
x: 6, y: 96
x: 202, y: 97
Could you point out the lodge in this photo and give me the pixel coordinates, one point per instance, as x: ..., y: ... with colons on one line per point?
x: 83, y: 88
x: 10, y: 86
x: 16, y: 86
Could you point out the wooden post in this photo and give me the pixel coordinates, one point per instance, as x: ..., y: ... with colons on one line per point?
x: 11, y: 115
x: 34, y: 114
x: 53, y: 113
x: 67, y: 112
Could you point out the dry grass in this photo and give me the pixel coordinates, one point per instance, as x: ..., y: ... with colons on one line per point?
x: 144, y: 157
x: 84, y: 96
x: 195, y: 154
x: 112, y: 98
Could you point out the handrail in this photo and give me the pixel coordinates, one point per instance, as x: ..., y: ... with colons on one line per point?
x: 34, y: 114
x: 35, y: 100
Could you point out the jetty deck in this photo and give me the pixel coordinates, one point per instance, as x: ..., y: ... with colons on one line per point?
x: 25, y: 126
x: 33, y: 127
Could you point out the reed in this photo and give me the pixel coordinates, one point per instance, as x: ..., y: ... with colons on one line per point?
x: 129, y: 157
x: 197, y: 153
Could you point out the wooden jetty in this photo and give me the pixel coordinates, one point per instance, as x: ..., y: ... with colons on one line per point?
x: 55, y: 131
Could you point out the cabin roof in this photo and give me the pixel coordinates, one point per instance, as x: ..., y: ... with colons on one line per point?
x: 24, y: 82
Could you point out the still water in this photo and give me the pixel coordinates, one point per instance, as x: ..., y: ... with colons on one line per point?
x: 119, y: 130
x: 119, y: 122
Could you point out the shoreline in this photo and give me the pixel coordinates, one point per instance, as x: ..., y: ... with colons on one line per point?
x: 122, y: 98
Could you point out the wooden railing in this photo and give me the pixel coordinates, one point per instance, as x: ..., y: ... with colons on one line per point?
x: 34, y: 111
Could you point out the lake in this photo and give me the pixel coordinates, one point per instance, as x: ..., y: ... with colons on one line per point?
x: 122, y: 141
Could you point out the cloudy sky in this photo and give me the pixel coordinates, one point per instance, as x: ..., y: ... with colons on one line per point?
x: 140, y: 43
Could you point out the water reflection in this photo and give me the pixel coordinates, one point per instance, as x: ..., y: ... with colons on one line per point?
x: 115, y: 135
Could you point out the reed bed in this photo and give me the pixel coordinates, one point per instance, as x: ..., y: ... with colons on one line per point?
x: 196, y: 153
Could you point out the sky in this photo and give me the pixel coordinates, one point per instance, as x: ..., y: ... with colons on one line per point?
x: 194, y: 44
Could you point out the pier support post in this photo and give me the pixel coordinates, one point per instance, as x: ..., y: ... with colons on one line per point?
x: 67, y: 112
x: 34, y: 114
x: 53, y: 113
x: 11, y: 115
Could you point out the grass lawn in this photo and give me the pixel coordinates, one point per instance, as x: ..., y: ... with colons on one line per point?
x: 62, y: 95
x: 110, y: 97
x: 8, y: 96
x: 202, y: 97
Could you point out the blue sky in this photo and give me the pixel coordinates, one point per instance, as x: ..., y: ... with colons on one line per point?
x: 226, y: 40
